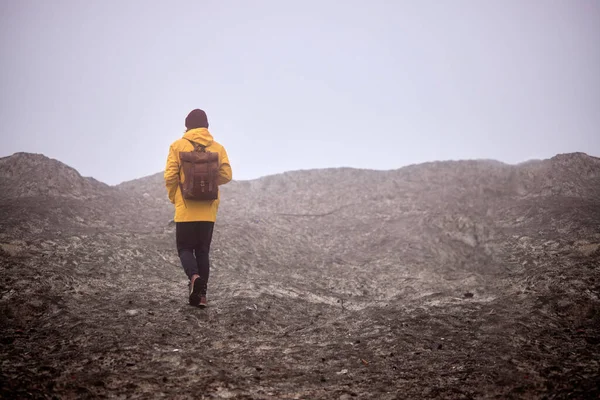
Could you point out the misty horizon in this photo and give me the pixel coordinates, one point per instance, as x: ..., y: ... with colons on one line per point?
x: 105, y: 87
x: 306, y: 169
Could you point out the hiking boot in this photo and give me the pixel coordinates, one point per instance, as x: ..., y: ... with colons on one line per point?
x: 202, y: 301
x: 195, y: 289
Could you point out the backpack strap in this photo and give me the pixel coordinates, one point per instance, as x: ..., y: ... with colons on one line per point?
x: 197, y: 146
x: 181, y: 191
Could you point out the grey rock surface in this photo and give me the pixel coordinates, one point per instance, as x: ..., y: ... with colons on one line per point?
x: 455, y: 279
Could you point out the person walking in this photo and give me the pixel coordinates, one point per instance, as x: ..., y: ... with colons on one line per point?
x: 196, y: 198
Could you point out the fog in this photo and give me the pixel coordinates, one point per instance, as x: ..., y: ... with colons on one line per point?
x: 105, y: 86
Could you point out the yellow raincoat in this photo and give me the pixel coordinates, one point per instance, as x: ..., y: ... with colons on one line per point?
x: 194, y: 210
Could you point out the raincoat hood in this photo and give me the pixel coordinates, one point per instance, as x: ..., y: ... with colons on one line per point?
x: 199, y: 135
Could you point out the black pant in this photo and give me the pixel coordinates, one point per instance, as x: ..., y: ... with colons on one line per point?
x: 193, y: 245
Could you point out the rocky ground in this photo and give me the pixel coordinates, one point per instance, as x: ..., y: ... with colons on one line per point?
x: 455, y: 280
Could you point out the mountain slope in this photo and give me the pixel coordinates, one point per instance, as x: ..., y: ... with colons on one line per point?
x: 461, y: 279
x: 29, y: 175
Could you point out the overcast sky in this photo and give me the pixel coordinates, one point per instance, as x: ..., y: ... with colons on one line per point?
x: 105, y: 86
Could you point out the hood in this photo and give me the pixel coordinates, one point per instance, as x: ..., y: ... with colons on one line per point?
x: 199, y: 135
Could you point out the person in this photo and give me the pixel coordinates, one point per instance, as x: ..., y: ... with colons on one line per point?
x: 194, y: 219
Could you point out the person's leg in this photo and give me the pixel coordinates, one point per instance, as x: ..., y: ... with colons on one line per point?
x: 186, y: 241
x: 204, y: 238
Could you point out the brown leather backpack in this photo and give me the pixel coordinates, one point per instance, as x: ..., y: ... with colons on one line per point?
x: 201, y: 171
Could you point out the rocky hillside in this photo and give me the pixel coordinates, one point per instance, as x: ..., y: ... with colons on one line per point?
x: 456, y: 279
x: 24, y: 175
x: 40, y: 194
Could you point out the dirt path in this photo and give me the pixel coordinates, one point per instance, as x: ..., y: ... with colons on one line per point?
x: 106, y: 330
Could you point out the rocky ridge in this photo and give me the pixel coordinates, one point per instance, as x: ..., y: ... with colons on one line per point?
x: 457, y: 279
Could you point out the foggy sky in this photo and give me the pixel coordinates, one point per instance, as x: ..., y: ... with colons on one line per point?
x: 104, y: 86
